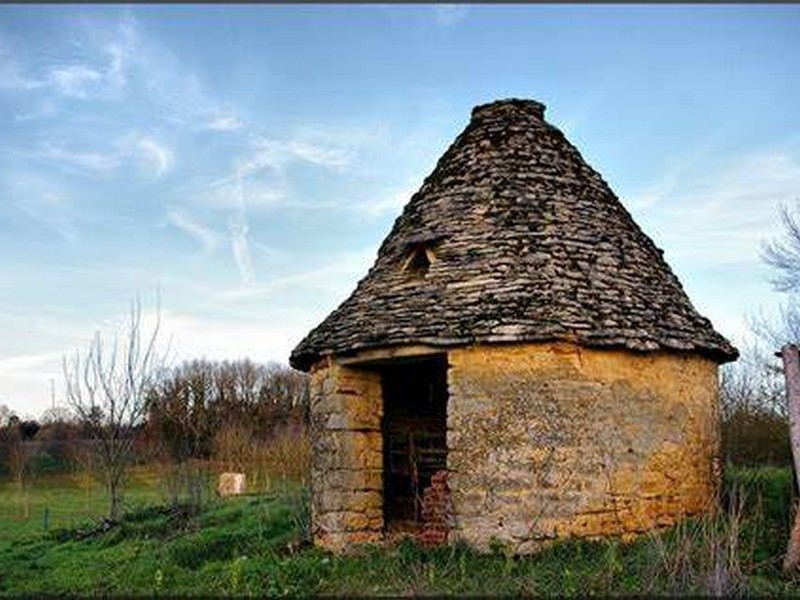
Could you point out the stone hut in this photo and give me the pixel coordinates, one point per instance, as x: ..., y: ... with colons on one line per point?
x: 520, y: 343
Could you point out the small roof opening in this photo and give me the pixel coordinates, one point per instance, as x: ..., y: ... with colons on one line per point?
x: 419, y: 260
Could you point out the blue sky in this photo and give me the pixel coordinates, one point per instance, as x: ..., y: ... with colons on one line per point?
x: 246, y: 161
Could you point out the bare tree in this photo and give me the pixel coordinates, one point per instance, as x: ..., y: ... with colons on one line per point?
x: 19, y: 448
x: 107, y: 390
x: 784, y: 257
x: 20, y: 451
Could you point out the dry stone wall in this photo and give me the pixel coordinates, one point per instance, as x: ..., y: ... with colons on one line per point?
x: 544, y: 440
x: 554, y: 440
x: 346, y: 469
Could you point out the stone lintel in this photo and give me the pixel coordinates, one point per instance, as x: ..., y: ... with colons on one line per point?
x: 366, y: 358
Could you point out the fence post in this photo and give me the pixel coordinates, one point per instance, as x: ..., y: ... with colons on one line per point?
x: 791, y: 371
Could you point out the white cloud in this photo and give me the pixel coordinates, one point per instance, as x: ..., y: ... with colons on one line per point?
x: 156, y: 157
x: 27, y: 363
x: 98, y: 72
x: 239, y: 229
x: 25, y: 378
x: 261, y: 170
x: 225, y: 123
x: 318, y: 154
x: 97, y: 162
x: 276, y: 154
x: 25, y: 382
x: 114, y: 60
x: 262, y: 340
x: 159, y: 155
x: 74, y: 80
x: 224, y: 193
x: 208, y: 238
x: 241, y: 249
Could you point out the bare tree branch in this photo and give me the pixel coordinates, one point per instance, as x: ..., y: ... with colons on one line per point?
x: 108, y: 390
x: 784, y: 255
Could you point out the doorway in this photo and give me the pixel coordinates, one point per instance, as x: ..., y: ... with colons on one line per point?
x: 414, y: 435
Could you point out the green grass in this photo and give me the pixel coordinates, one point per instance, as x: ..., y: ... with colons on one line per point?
x: 65, y: 501
x: 254, y: 546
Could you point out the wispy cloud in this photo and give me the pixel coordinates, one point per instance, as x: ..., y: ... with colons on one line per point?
x: 115, y: 60
x: 225, y: 123
x: 389, y: 204
x: 239, y: 229
x: 159, y: 155
x: 262, y: 168
x: 97, y: 72
x: 685, y: 171
x: 448, y: 15
x: 276, y: 154
x: 153, y: 156
x: 318, y: 154
x: 224, y: 193
x: 74, y: 80
x: 82, y: 160
x: 208, y: 238
x: 44, y: 202
x: 721, y: 216
x: 336, y: 275
x: 29, y: 363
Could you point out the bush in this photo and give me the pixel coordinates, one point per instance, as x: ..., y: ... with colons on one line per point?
x: 754, y: 436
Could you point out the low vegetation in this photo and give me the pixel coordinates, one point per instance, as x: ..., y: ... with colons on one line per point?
x: 175, y: 537
x: 258, y: 545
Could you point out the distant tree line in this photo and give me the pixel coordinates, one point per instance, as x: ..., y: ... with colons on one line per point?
x: 192, y: 410
x: 199, y: 410
x: 203, y: 409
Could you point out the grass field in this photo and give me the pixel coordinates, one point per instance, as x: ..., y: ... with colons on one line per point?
x: 65, y: 501
x: 256, y: 546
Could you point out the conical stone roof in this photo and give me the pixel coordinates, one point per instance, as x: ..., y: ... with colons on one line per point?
x: 514, y: 238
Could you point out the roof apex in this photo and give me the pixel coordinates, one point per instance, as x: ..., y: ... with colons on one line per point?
x: 509, y: 105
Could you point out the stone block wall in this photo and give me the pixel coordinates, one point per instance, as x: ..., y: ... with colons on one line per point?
x: 544, y: 440
x: 554, y: 440
x: 347, y: 462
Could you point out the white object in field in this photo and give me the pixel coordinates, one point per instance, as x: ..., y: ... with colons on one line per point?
x: 232, y: 484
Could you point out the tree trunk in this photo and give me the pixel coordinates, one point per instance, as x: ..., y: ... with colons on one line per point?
x: 791, y: 371
x: 115, y: 491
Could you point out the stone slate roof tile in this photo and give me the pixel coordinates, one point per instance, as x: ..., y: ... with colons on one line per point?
x: 528, y: 244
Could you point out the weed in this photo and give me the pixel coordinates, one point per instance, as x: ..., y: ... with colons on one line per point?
x: 258, y: 545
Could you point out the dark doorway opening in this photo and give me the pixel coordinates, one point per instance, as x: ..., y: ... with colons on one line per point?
x: 414, y: 436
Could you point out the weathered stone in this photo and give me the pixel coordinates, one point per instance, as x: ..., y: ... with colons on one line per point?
x: 623, y: 431
x: 531, y: 245
x: 232, y: 484
x: 582, y: 383
x: 331, y: 499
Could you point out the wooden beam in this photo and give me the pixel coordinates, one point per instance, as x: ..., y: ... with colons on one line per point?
x: 377, y: 356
